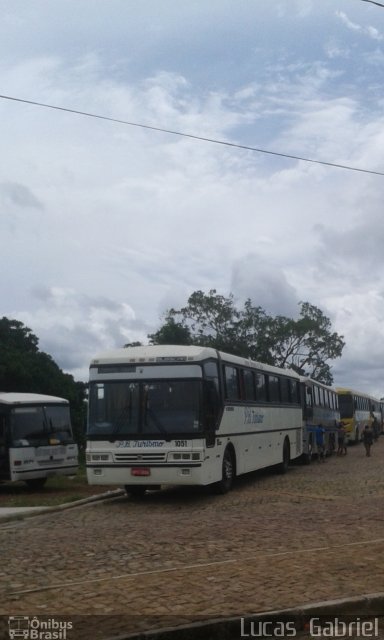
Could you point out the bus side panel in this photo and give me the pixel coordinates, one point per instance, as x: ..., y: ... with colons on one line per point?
x: 258, y: 434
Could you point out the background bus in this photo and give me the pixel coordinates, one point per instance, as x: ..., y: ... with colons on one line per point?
x: 36, y: 439
x: 185, y: 415
x: 320, y: 407
x: 356, y: 410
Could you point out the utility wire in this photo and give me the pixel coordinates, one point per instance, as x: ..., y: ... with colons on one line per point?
x: 373, y: 2
x: 193, y: 137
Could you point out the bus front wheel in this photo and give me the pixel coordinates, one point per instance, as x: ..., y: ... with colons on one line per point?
x: 228, y: 472
x: 283, y: 466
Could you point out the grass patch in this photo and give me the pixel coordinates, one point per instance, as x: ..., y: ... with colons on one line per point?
x: 57, y: 490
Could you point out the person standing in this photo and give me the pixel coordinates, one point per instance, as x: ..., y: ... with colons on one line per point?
x: 367, y: 440
x: 341, y: 447
x: 320, y: 443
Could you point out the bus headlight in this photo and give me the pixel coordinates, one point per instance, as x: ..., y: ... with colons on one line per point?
x: 183, y: 457
x: 98, y: 457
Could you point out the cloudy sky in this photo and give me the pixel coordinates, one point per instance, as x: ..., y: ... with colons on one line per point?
x: 103, y: 226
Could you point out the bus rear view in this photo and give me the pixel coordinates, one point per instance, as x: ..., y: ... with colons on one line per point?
x: 36, y: 439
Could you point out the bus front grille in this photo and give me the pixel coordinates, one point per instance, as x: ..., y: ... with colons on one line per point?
x: 140, y: 457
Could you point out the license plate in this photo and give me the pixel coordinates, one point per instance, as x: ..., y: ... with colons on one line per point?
x: 140, y: 471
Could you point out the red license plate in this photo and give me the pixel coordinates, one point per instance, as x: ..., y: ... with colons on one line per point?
x: 140, y: 471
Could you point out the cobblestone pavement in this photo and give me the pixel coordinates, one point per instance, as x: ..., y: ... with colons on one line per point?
x: 183, y: 555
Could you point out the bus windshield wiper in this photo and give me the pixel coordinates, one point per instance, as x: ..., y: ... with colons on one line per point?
x: 122, y: 419
x: 156, y: 421
x: 48, y: 426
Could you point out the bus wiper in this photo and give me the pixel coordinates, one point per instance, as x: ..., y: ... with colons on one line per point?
x: 122, y: 419
x: 45, y: 421
x: 157, y: 422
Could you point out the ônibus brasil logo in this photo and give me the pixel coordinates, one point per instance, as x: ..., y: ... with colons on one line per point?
x: 26, y: 628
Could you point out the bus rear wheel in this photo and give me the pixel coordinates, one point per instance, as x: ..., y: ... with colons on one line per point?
x: 228, y: 472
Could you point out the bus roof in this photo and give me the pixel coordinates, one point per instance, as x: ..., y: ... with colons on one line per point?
x: 29, y: 398
x: 179, y: 353
x: 362, y: 394
x: 310, y: 381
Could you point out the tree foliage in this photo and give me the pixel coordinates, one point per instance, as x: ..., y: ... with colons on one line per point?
x: 24, y: 368
x: 306, y: 344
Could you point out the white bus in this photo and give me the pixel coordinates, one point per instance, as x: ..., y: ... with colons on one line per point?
x: 187, y: 415
x: 36, y: 439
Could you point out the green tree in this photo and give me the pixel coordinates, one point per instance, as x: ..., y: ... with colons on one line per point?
x: 307, y: 344
x: 171, y: 333
x: 208, y: 320
x: 24, y: 368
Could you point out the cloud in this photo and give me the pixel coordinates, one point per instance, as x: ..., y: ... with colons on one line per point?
x: 265, y: 283
x: 369, y: 31
x: 73, y: 327
x: 104, y: 226
x: 19, y: 195
x: 357, y: 315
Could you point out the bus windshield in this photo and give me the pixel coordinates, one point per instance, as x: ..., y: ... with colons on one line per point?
x: 40, y: 425
x: 346, y: 406
x: 157, y: 408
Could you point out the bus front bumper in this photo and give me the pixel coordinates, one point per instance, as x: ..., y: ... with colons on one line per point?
x: 191, y: 474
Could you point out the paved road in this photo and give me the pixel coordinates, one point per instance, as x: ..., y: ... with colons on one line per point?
x: 187, y: 555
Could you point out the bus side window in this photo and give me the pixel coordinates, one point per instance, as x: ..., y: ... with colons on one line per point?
x: 274, y: 388
x: 308, y: 409
x: 231, y: 380
x: 295, y: 392
x: 261, y: 387
x: 249, y: 385
x: 285, y: 389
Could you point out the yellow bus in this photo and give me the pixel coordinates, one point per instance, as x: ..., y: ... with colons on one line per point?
x: 356, y: 410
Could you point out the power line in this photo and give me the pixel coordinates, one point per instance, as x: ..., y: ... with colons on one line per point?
x: 373, y: 2
x: 191, y: 136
